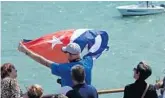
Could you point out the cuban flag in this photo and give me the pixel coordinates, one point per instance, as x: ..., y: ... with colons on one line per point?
x: 93, y: 42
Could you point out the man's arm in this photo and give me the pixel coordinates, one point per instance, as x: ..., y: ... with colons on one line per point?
x: 88, y: 60
x: 34, y: 56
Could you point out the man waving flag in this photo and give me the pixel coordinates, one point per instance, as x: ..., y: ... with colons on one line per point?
x: 60, y: 51
x: 49, y: 46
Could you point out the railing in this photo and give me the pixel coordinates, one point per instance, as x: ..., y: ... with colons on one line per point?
x: 110, y: 91
x: 99, y: 92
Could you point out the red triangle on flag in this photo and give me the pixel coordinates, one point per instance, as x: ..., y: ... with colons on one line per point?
x: 49, y: 46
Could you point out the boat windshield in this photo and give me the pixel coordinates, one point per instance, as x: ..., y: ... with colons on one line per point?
x: 145, y: 4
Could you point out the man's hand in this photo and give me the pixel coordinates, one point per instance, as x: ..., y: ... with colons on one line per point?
x: 40, y: 59
x: 22, y: 48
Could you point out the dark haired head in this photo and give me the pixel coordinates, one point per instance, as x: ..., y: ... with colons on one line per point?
x: 144, y: 69
x: 78, y: 73
x: 6, y: 69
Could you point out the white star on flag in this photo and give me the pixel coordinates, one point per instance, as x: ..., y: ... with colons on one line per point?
x: 55, y: 41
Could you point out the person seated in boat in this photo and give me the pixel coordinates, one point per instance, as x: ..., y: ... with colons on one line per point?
x: 9, y: 85
x: 161, y: 85
x: 80, y: 88
x: 73, y: 52
x: 141, y: 89
x: 34, y: 91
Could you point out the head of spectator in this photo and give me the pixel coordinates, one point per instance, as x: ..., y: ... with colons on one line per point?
x: 34, y: 91
x: 8, y: 70
x: 9, y: 85
x: 78, y: 74
x: 73, y: 51
x: 142, y: 71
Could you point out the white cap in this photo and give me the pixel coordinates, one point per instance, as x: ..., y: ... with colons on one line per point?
x: 72, y: 48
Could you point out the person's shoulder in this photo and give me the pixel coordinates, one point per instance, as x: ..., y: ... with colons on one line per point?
x: 90, y: 87
x: 70, y: 92
x: 129, y: 86
x: 5, y: 82
x: 65, y: 89
x: 8, y: 80
x: 73, y: 94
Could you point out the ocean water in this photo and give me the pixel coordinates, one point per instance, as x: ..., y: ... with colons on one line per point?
x: 131, y: 39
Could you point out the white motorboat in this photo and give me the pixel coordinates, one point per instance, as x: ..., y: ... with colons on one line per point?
x: 134, y: 10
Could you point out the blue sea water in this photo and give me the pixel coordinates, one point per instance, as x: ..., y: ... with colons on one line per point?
x: 131, y: 39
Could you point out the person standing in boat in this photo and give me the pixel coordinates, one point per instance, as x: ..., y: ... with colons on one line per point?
x: 147, y: 2
x: 141, y: 89
x: 73, y: 51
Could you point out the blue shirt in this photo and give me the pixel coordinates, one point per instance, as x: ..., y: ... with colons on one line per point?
x: 64, y: 70
x: 82, y: 91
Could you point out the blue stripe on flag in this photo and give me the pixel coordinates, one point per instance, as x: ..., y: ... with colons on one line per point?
x: 88, y: 37
x: 103, y: 46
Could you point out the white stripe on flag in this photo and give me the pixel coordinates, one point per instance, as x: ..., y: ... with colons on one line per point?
x: 97, y: 44
x: 77, y: 33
